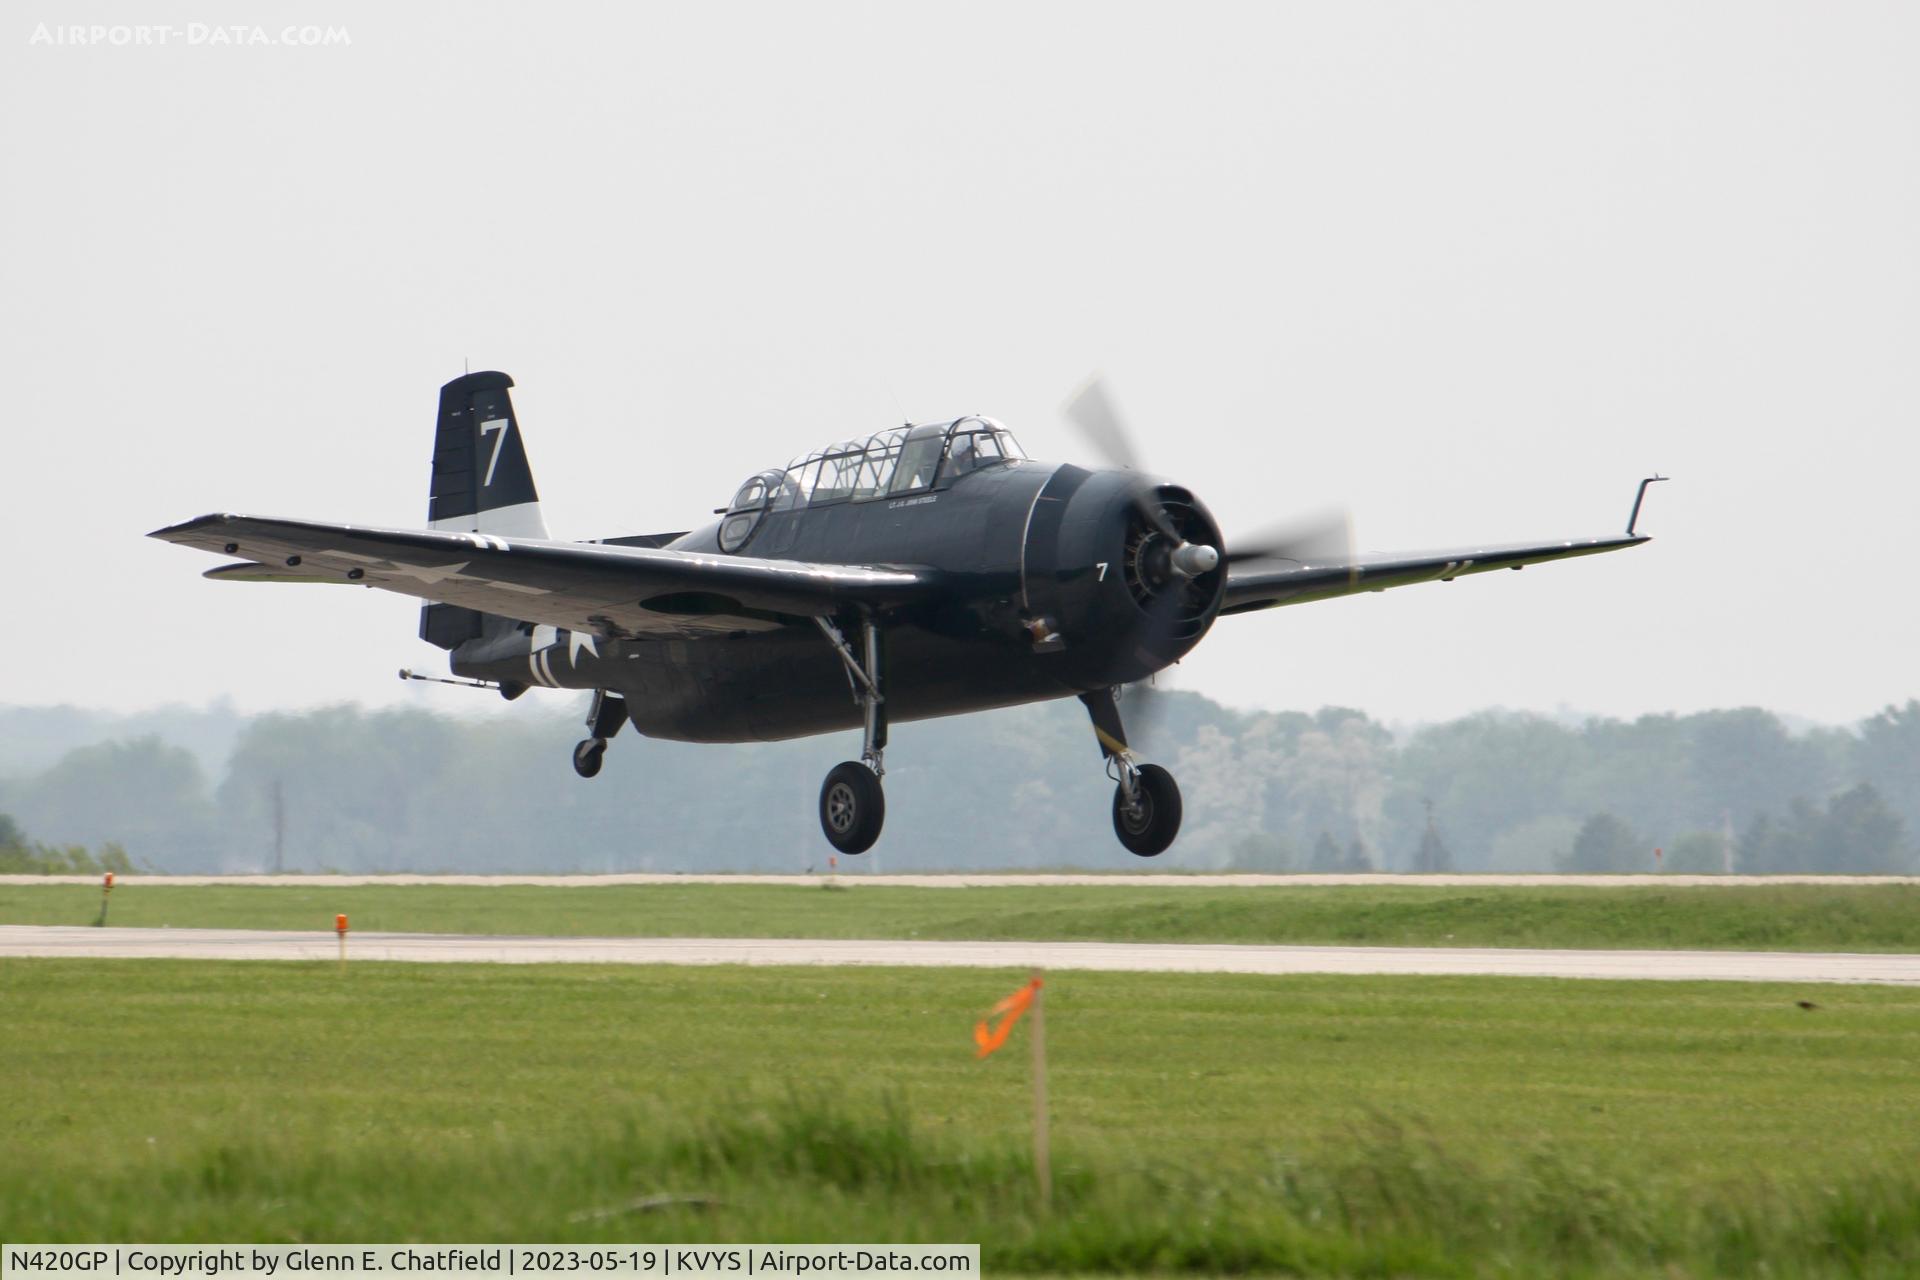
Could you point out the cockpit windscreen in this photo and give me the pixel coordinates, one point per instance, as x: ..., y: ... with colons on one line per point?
x: 905, y: 460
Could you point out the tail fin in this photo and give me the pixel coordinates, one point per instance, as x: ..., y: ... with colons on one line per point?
x: 481, y: 480
x: 481, y: 484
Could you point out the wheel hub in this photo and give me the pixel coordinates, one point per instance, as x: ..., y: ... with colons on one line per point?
x: 840, y: 807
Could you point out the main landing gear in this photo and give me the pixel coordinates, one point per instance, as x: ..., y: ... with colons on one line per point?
x: 852, y: 804
x: 604, y: 718
x: 1146, y: 800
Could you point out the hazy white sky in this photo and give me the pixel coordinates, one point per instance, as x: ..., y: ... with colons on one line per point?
x: 1470, y: 269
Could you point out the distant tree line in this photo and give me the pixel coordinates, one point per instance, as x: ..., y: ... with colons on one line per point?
x: 354, y: 790
x: 21, y: 856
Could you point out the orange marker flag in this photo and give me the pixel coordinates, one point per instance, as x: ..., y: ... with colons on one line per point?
x: 106, y: 892
x: 991, y: 1038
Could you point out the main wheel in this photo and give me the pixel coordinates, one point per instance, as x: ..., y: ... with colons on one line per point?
x: 852, y: 807
x: 1149, y: 826
x: 588, y: 755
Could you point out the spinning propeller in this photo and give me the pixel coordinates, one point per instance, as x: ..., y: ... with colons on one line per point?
x: 1163, y: 565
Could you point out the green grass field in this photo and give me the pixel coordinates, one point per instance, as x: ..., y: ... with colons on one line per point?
x: 1785, y: 917
x: 1211, y: 1124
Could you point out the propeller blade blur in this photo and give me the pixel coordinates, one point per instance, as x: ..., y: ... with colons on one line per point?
x: 1092, y: 410
x: 1144, y: 706
x: 1324, y: 538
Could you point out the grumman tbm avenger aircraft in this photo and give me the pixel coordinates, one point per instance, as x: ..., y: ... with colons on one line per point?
x: 925, y: 571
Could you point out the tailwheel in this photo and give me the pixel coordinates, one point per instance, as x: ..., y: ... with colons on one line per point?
x: 1147, y: 821
x: 604, y: 718
x: 852, y: 807
x: 588, y: 755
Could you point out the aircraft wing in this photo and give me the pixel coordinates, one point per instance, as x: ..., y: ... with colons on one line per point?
x: 1269, y: 583
x: 594, y: 588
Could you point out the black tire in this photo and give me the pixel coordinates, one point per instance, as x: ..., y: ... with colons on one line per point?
x: 588, y: 755
x: 852, y: 807
x: 1148, y: 830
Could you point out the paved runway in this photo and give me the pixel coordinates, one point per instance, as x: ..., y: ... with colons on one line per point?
x: 859, y: 879
x: 248, y: 944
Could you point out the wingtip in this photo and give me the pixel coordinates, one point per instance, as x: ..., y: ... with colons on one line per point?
x: 172, y: 532
x: 1640, y: 496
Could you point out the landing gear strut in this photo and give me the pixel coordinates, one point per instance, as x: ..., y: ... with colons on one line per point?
x: 604, y: 718
x: 852, y: 804
x: 1146, y: 800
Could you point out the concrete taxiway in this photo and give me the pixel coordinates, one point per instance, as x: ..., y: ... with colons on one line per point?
x: 249, y: 944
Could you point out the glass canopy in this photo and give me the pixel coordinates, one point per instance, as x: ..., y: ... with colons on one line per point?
x: 905, y: 460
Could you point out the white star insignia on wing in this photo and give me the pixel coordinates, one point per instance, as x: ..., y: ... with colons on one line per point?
x: 429, y: 573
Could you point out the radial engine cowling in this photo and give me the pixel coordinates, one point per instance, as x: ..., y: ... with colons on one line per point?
x: 1126, y: 572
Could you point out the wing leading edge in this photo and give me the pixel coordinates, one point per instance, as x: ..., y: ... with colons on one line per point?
x: 1299, y: 583
x: 594, y: 588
